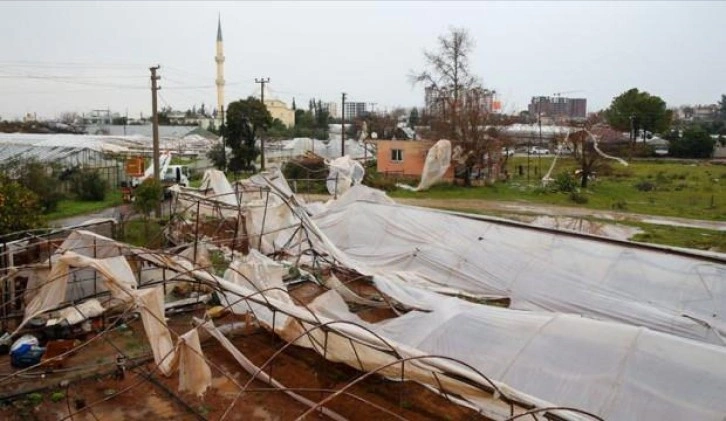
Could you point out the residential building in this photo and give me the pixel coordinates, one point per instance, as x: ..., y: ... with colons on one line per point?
x: 278, y: 110
x: 354, y: 110
x: 558, y: 107
x: 332, y: 109
x: 437, y: 100
x: 404, y: 158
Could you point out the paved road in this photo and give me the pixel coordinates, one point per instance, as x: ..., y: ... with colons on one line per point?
x: 113, y: 212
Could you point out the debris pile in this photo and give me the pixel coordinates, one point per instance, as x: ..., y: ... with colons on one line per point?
x: 491, y: 318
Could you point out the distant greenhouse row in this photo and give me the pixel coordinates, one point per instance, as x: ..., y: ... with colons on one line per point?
x: 70, y: 150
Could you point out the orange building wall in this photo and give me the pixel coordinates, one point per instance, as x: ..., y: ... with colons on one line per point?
x: 414, y: 157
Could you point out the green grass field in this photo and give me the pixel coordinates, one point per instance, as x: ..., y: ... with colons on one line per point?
x: 692, y: 189
x: 69, y: 207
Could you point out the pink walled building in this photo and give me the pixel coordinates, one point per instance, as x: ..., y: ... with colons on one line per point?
x: 405, y: 158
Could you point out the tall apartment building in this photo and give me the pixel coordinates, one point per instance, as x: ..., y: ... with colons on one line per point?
x: 332, y: 109
x: 437, y: 100
x: 354, y: 110
x: 558, y: 107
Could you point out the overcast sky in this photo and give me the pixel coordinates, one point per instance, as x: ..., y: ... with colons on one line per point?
x: 58, y: 56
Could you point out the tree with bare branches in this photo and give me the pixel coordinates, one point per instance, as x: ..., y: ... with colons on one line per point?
x: 448, y: 76
x: 457, y: 108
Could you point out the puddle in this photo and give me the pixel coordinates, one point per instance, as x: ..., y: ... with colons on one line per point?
x: 603, y: 229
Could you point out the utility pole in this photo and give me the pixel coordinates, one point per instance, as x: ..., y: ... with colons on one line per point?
x: 155, y: 130
x: 342, y: 127
x: 262, y: 81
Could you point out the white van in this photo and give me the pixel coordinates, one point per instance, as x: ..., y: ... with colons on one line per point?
x: 176, y: 174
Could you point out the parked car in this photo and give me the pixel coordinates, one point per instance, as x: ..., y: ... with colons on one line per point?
x: 507, y: 151
x: 536, y: 150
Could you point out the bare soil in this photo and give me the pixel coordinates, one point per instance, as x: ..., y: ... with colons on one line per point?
x: 100, y: 396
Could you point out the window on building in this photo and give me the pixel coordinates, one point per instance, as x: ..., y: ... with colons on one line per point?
x: 396, y: 155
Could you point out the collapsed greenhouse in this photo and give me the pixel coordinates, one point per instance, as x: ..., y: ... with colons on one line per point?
x: 486, y: 319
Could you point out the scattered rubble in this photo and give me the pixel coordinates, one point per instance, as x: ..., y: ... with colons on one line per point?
x: 263, y: 307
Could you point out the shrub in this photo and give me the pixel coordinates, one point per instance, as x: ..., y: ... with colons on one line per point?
x: 39, y: 178
x: 57, y: 396
x: 35, y: 398
x: 578, y: 198
x: 645, y: 186
x: 147, y: 195
x: 19, y: 207
x: 565, y: 183
x: 695, y: 143
x: 619, y: 205
x: 88, y: 185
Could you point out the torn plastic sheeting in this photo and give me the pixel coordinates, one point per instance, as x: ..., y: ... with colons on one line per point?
x: 438, y: 159
x: 537, y: 270
x: 604, y: 367
x: 270, y: 227
x: 569, y: 336
x: 115, y: 273
x: 334, y: 283
x: 151, y: 306
x: 80, y: 312
x: 607, y: 368
x: 198, y: 254
x: 217, y: 182
x: 194, y: 373
x: 344, y: 173
x: 358, y: 193
x: 257, y: 272
x: 251, y: 368
x: 373, y: 353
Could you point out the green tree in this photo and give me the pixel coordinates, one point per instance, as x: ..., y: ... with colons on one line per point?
x: 88, y: 185
x: 695, y: 143
x: 648, y: 112
x: 216, y: 156
x: 413, y: 118
x: 19, y: 207
x: 146, y: 197
x: 245, y: 120
x: 278, y: 130
x: 722, y: 107
x: 40, y: 178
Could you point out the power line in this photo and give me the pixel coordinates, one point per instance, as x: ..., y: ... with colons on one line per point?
x: 6, y: 75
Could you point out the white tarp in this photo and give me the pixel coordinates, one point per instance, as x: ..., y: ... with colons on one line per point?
x: 344, y: 173
x: 537, y: 270
x: 614, y: 370
x: 221, y: 189
x: 437, y: 162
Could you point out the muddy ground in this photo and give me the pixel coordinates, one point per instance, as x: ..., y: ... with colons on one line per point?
x: 146, y: 395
